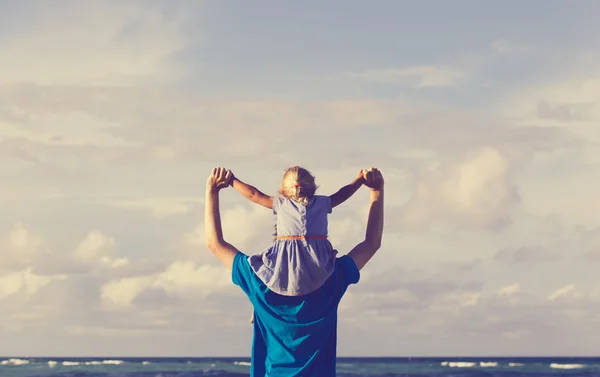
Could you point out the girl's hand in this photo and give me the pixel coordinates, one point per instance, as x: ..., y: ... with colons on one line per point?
x: 361, y: 176
x: 219, y: 178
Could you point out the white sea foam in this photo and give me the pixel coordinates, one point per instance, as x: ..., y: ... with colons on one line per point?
x: 566, y: 366
x: 488, y: 364
x: 114, y: 362
x: 515, y: 364
x: 244, y: 363
x: 52, y: 363
x: 145, y: 362
x: 70, y: 363
x: 14, y: 362
x: 104, y: 362
x: 458, y: 364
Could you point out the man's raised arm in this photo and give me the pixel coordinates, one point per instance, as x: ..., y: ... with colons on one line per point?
x: 219, y: 178
x: 365, y: 250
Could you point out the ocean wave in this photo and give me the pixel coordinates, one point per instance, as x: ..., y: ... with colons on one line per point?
x: 458, y: 364
x: 195, y: 373
x: 566, y: 366
x: 93, y: 362
x: 243, y: 363
x: 489, y: 364
x: 105, y: 362
x: 515, y: 364
x: 14, y: 362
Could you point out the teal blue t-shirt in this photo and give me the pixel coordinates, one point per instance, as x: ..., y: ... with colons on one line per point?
x: 294, y: 335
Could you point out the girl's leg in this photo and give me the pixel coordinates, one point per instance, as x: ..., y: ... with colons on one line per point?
x: 252, y: 318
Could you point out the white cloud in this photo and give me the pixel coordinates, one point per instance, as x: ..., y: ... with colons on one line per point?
x: 21, y: 246
x: 123, y: 291
x: 562, y: 179
x: 113, y: 43
x: 25, y: 250
x: 418, y: 76
x: 510, y: 290
x: 95, y: 245
x: 248, y: 227
x: 506, y: 46
x: 24, y: 282
x: 112, y: 115
x: 526, y: 254
x: 184, y: 276
x: 569, y: 102
x: 158, y: 206
x: 477, y: 192
x: 181, y: 278
x: 566, y: 292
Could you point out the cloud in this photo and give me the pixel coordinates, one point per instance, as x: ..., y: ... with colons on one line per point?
x: 116, y: 43
x: 526, y: 254
x: 112, y: 114
x: 508, y: 315
x: 419, y: 76
x: 247, y: 226
x: 470, y: 178
x: 567, y: 102
x: 506, y: 46
x: 20, y: 247
x: 565, y: 293
x: 25, y: 249
x: 559, y: 103
x: 24, y: 282
x: 510, y: 290
x: 593, y: 255
x: 71, y: 289
x: 157, y: 206
x: 478, y: 192
x: 181, y: 278
x: 94, y: 246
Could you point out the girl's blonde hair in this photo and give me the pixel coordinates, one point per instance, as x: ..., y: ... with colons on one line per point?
x: 298, y: 184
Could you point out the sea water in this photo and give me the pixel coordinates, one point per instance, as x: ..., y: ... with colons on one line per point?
x: 238, y: 367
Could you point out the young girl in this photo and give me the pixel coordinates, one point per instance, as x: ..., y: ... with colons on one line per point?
x: 301, y: 257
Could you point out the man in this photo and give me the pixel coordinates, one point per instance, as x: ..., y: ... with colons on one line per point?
x: 294, y: 335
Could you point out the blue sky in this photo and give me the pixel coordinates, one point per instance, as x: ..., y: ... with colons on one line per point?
x: 482, y: 117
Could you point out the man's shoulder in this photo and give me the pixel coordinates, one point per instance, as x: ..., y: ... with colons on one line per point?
x: 240, y: 270
x: 345, y: 273
x: 347, y: 269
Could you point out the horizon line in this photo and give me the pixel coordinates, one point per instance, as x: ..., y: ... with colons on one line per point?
x: 338, y: 357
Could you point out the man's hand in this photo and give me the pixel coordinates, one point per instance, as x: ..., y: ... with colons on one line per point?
x: 373, y: 178
x: 218, y: 178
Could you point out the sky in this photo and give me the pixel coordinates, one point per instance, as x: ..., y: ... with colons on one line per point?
x: 483, y: 118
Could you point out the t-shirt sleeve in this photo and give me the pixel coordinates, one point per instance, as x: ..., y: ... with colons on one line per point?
x: 240, y: 272
x: 347, y: 270
x: 326, y: 203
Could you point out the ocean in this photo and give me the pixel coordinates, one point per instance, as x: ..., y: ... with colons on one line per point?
x: 356, y: 367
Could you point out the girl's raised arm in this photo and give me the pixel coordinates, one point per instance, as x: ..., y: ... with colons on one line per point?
x: 347, y: 191
x: 252, y: 193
